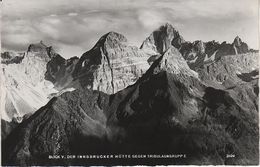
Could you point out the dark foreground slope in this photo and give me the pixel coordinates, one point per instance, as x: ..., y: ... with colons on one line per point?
x: 167, y: 111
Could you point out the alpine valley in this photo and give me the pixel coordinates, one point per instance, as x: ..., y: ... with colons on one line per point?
x: 167, y: 97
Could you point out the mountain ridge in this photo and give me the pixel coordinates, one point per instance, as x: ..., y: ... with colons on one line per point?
x: 159, y: 108
x: 196, y: 53
x: 169, y: 96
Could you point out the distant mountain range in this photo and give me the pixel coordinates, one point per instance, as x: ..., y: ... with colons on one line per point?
x: 169, y: 96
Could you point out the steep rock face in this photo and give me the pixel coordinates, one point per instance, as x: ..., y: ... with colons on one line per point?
x: 239, y: 46
x: 161, y: 39
x: 59, y: 128
x: 164, y: 112
x: 63, y: 76
x: 24, y: 87
x: 54, y: 65
x: 229, y: 67
x: 195, y: 52
x: 238, y: 75
x: 28, y: 84
x: 59, y: 70
x: 111, y: 65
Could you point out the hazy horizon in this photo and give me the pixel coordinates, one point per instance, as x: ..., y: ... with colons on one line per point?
x: 74, y: 26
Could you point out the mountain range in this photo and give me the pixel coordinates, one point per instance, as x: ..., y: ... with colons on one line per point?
x: 168, y: 96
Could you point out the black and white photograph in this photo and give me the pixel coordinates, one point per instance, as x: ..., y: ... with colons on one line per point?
x: 129, y: 82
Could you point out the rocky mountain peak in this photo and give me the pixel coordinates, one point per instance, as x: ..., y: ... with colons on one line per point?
x: 172, y: 62
x: 213, y: 42
x: 161, y: 39
x: 115, y: 36
x: 31, y: 78
x: 111, y: 39
x: 199, y: 46
x: 111, y: 65
x: 41, y: 50
x: 239, y: 46
x: 37, y: 47
x: 237, y: 41
x: 168, y: 29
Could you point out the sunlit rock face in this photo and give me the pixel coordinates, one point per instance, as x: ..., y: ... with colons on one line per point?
x: 111, y: 65
x: 173, y: 62
x: 230, y: 67
x: 28, y: 80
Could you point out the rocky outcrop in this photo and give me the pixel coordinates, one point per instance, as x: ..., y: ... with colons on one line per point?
x: 239, y: 46
x: 59, y: 70
x: 11, y: 57
x: 111, y: 65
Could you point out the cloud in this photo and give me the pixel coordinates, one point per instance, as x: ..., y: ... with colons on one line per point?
x: 17, y: 34
x: 210, y: 8
x: 74, y: 26
x: 150, y: 18
x: 72, y: 14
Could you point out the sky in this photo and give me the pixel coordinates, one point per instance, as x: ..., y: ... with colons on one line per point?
x: 73, y: 27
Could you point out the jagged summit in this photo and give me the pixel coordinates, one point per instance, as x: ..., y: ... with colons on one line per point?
x: 38, y: 50
x: 195, y: 53
x: 167, y: 28
x: 199, y: 46
x: 172, y: 62
x: 37, y: 47
x: 161, y: 39
x: 237, y: 41
x: 167, y: 24
x: 111, y: 64
x: 111, y: 39
x: 115, y: 36
x: 240, y: 46
x: 42, y: 50
x: 109, y: 45
x: 31, y: 78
